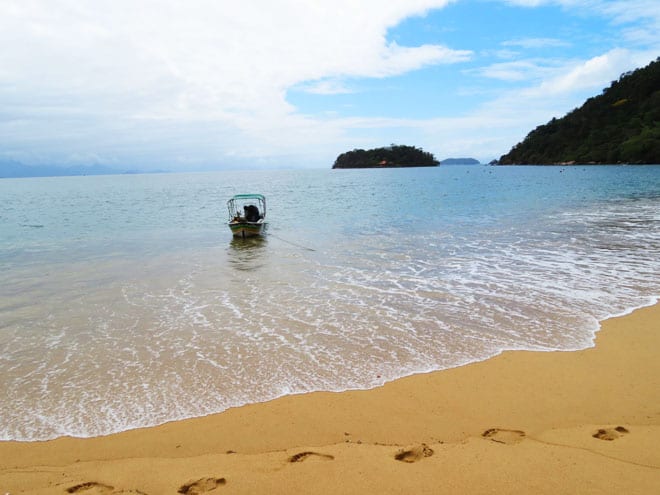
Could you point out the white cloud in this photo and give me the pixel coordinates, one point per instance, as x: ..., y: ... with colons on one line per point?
x: 519, y: 70
x: 121, y: 82
x: 527, y: 3
x: 327, y: 87
x: 629, y: 11
x: 592, y: 74
x: 536, y: 43
x: 397, y: 59
x: 203, y: 61
x: 615, y: 11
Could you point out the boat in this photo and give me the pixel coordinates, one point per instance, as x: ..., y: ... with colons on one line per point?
x: 247, y: 215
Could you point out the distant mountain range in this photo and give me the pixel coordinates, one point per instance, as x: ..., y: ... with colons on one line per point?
x: 460, y: 161
x: 12, y: 169
x: 622, y: 125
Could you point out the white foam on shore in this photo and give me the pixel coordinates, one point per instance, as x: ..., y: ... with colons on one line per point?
x: 120, y: 344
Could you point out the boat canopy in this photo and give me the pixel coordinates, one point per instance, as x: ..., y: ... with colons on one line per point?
x: 238, y: 202
x: 249, y: 196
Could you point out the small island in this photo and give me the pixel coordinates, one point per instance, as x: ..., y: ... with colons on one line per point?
x: 389, y: 157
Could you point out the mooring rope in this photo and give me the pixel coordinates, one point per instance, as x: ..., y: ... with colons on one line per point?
x: 270, y: 234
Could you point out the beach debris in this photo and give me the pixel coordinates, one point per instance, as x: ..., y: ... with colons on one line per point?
x: 414, y: 454
x: 201, y: 485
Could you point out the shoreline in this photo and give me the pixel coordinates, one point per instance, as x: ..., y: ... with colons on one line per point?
x: 652, y: 301
x: 520, y: 422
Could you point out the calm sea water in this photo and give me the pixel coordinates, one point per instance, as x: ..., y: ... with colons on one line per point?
x: 124, y: 301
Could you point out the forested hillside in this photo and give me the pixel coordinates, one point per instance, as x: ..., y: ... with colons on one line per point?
x: 622, y: 125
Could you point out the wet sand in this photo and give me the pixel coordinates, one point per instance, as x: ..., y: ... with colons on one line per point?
x: 522, y: 422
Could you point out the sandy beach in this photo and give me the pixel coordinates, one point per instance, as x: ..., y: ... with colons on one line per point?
x: 522, y: 422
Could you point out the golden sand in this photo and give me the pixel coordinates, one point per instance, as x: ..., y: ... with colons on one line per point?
x: 523, y: 422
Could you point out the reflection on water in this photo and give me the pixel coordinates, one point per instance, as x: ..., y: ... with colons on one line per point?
x: 247, y: 254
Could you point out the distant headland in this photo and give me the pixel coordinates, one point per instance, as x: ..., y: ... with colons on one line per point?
x: 388, y: 157
x: 621, y: 125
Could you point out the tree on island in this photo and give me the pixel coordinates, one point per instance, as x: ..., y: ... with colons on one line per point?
x: 622, y: 125
x: 388, y: 157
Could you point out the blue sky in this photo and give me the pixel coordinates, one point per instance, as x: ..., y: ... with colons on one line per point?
x: 212, y: 84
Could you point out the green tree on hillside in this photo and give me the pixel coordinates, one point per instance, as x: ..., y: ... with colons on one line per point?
x: 622, y: 125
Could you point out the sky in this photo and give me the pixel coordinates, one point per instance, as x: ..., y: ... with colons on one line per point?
x: 187, y: 85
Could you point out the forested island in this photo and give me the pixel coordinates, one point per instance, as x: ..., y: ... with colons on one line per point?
x: 388, y: 157
x: 622, y: 125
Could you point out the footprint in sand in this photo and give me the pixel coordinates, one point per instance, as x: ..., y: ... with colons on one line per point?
x: 302, y: 456
x: 610, y: 434
x: 414, y: 454
x: 202, y: 485
x: 91, y: 488
x: 507, y: 437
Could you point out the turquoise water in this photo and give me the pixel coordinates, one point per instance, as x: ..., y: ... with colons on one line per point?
x: 124, y: 301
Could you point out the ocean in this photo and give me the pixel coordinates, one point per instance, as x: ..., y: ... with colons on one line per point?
x: 125, y: 302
